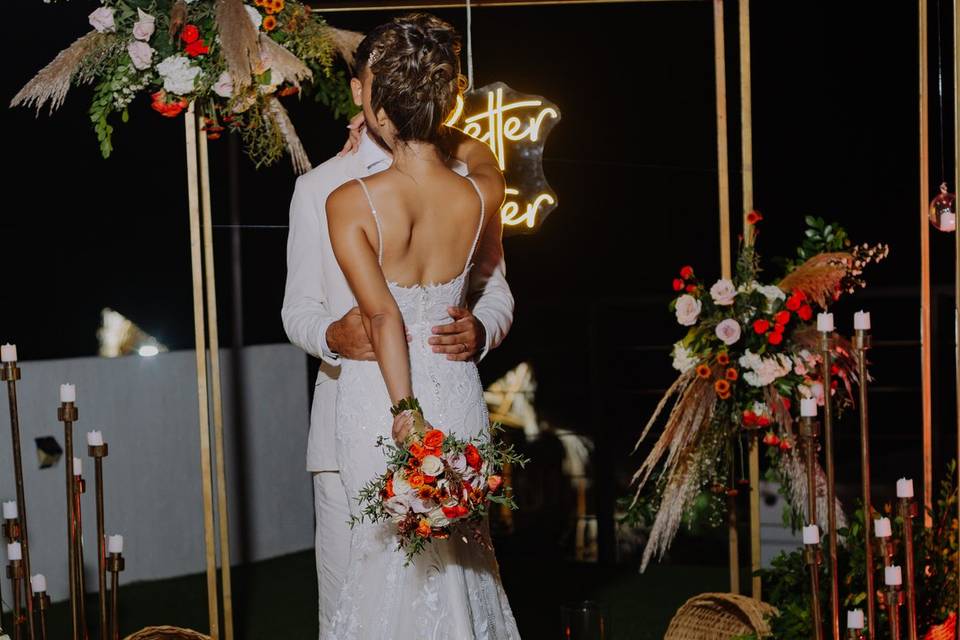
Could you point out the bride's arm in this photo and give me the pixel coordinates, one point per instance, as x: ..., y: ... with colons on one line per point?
x: 353, y: 236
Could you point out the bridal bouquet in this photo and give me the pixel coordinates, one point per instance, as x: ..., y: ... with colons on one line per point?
x: 749, y: 353
x: 234, y: 59
x: 437, y: 482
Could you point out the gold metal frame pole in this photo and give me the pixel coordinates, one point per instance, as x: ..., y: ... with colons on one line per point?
x: 214, y: 338
x: 190, y: 122
x: 67, y: 414
x: 826, y: 354
x: 98, y: 453
x: 746, y: 170
x: 926, y: 375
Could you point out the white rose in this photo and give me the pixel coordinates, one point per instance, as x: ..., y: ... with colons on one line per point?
x: 431, y: 465
x: 419, y: 505
x: 223, y: 87
x: 772, y: 293
x: 683, y: 360
x: 397, y: 505
x: 141, y: 54
x: 400, y: 485
x: 145, y: 26
x: 255, y: 16
x: 102, y: 20
x: 723, y: 292
x: 437, y: 518
x: 728, y: 331
x: 688, y: 308
x: 178, y: 74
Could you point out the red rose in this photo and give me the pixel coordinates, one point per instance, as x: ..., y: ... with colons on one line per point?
x: 771, y: 439
x: 763, y: 421
x: 473, y: 456
x: 805, y: 312
x: 778, y: 328
x: 454, y: 512
x: 197, y: 48
x: 793, y: 303
x: 782, y: 317
x: 754, y: 217
x: 677, y: 284
x: 494, y: 482
x: 774, y: 338
x: 686, y: 272
x: 785, y: 445
x: 691, y: 288
x: 749, y: 418
x: 760, y: 326
x: 190, y: 33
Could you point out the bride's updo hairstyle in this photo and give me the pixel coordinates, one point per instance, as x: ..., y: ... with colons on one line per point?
x: 415, y: 61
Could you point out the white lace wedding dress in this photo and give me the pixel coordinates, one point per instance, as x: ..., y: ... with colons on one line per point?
x: 452, y: 591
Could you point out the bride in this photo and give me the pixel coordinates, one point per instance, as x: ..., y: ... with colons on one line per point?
x: 405, y: 240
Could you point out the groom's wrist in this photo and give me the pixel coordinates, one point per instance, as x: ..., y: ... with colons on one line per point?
x: 331, y: 339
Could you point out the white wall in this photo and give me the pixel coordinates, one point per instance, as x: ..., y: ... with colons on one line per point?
x: 147, y: 411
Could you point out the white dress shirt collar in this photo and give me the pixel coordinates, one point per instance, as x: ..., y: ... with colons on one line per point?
x: 372, y: 158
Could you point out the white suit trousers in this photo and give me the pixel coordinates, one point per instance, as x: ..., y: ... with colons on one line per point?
x: 332, y: 542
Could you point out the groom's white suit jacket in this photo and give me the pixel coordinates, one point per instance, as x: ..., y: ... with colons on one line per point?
x: 317, y: 292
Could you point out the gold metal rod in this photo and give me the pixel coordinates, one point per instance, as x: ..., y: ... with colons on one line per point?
x: 15, y: 570
x: 894, y: 602
x: 861, y: 343
x: 808, y: 437
x: 908, y: 511
x: 190, y: 122
x: 67, y: 414
x: 43, y: 602
x: 723, y: 170
x: 115, y: 608
x: 98, y: 453
x: 78, y: 489
x: 11, y: 373
x: 213, y: 336
x: 926, y: 335
x: 400, y: 5
x: 826, y: 353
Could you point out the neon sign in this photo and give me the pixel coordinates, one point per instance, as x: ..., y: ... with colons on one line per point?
x: 515, y: 127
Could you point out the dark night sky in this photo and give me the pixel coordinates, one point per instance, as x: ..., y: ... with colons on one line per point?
x: 633, y: 161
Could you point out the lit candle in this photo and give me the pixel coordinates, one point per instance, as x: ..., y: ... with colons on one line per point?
x: 68, y: 393
x: 95, y: 438
x: 8, y: 353
x: 14, y: 552
x: 38, y: 583
x: 811, y: 534
x: 904, y: 488
x: 855, y: 619
x: 77, y: 467
x: 825, y: 322
x: 881, y: 528
x: 808, y: 407
x: 10, y: 510
x: 114, y: 544
x: 861, y: 320
x: 892, y: 576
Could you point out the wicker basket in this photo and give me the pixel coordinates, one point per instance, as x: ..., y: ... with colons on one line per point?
x: 720, y: 616
x: 167, y: 633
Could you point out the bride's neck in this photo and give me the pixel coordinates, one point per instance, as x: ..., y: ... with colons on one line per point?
x: 416, y: 156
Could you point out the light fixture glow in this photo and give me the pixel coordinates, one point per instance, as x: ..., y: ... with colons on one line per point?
x: 148, y: 351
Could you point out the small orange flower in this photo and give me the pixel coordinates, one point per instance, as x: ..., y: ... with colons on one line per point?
x: 289, y: 91
x: 269, y: 23
x: 732, y: 374
x: 415, y: 480
x: 703, y: 371
x: 724, y: 396
x: 425, y: 492
x: 278, y: 5
x: 423, y: 529
x: 389, y: 487
x: 721, y: 386
x: 723, y: 359
x: 433, y: 439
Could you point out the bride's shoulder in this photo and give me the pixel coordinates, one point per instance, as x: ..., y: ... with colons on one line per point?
x: 346, y: 201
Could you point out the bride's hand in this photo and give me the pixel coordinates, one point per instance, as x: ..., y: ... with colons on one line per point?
x: 406, y: 423
x: 353, y: 139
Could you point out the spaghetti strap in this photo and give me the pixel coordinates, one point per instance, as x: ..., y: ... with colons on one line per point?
x: 483, y: 214
x: 376, y: 219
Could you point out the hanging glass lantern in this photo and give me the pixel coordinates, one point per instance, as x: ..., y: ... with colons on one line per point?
x: 943, y: 210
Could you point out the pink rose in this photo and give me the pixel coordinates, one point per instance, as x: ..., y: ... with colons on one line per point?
x: 145, y: 25
x: 141, y: 54
x: 223, y: 87
x: 723, y: 292
x: 688, y: 308
x: 102, y: 20
x: 728, y: 331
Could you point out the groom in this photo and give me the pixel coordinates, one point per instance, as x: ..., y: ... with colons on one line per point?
x: 319, y: 316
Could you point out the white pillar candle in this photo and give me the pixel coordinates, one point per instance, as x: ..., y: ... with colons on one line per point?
x: 77, y: 467
x: 855, y: 619
x: 10, y: 510
x: 14, y: 552
x: 861, y: 320
x: 808, y: 407
x: 68, y: 393
x: 811, y: 534
x: 825, y: 322
x: 904, y: 488
x: 892, y: 576
x: 38, y: 583
x: 94, y: 438
x: 8, y: 353
x: 881, y: 528
x: 114, y: 544
x: 948, y: 221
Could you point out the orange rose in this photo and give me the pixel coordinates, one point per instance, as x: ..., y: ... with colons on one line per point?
x: 433, y: 439
x: 423, y: 529
x: 494, y: 482
x: 418, y: 451
x: 415, y: 480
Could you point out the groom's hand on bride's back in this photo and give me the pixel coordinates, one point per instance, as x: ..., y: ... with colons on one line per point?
x: 461, y: 339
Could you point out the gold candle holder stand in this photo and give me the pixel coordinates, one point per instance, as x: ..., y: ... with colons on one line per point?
x: 10, y: 373
x: 115, y: 564
x: 79, y: 488
x: 855, y: 634
x: 808, y: 431
x: 16, y: 572
x: 826, y: 355
x: 862, y: 343
x: 67, y: 414
x: 907, y: 509
x: 813, y: 556
x: 42, y: 604
x: 894, y: 600
x: 12, y: 531
x: 98, y: 453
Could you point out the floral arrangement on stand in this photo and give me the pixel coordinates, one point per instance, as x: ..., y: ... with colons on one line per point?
x: 749, y: 354
x: 437, y: 483
x: 234, y: 60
